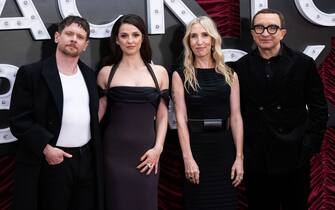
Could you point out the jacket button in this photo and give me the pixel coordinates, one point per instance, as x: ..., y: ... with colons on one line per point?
x: 279, y: 107
x: 261, y: 108
x: 280, y: 130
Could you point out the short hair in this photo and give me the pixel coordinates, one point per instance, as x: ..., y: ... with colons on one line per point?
x: 116, y: 52
x: 270, y: 11
x: 82, y: 22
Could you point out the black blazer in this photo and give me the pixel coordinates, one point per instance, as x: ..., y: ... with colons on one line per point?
x: 284, y: 119
x: 35, y: 120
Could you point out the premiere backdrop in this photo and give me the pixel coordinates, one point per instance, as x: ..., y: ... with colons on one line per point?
x: 26, y: 36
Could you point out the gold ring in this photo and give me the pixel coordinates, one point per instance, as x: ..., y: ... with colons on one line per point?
x: 149, y: 165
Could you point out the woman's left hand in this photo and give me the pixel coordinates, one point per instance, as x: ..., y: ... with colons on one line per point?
x: 149, y: 161
x: 237, y: 171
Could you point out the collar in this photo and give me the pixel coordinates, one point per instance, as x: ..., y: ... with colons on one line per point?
x: 283, y: 51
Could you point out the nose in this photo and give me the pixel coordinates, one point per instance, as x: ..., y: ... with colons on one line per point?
x: 74, y: 38
x: 130, y: 39
x: 199, y: 41
x: 265, y: 32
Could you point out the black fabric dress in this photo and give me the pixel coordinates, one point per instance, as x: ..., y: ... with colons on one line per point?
x: 212, y: 146
x: 129, y: 133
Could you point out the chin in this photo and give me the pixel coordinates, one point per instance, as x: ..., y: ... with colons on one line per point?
x: 201, y: 55
x: 72, y: 54
x: 266, y: 46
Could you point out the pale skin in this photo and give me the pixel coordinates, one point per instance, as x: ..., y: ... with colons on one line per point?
x: 268, y: 44
x: 200, y: 43
x: 71, y: 42
x: 133, y: 72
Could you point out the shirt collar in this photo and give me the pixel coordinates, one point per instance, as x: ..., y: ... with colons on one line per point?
x: 280, y: 53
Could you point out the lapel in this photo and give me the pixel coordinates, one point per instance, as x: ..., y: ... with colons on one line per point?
x: 282, y: 71
x: 51, y: 76
x: 90, y: 84
x: 256, y: 81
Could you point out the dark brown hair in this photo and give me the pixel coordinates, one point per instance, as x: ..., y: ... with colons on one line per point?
x: 82, y: 22
x: 115, y: 50
x: 270, y: 11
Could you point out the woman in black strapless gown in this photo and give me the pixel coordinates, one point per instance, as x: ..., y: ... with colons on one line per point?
x: 134, y: 105
x: 210, y: 128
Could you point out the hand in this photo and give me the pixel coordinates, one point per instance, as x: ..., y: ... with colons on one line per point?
x: 192, y: 171
x: 237, y: 171
x: 149, y: 161
x: 54, y: 155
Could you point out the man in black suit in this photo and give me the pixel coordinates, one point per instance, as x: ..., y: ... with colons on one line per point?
x: 54, y: 115
x: 284, y: 113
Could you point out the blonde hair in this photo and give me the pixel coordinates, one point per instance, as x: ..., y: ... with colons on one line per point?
x: 220, y: 67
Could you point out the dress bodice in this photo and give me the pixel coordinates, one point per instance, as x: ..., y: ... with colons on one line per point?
x: 133, y: 94
x: 212, y: 99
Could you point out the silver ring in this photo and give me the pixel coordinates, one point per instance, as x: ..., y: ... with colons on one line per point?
x: 149, y: 165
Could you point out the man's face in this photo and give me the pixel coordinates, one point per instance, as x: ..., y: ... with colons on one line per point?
x: 72, y: 41
x: 266, y: 40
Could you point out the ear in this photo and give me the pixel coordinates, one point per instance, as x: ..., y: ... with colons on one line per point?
x: 56, y: 37
x: 283, y: 33
x: 117, y: 41
x: 253, y: 34
x: 86, y: 45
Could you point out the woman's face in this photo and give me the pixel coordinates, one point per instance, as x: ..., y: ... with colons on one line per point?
x: 200, y: 41
x: 129, y: 39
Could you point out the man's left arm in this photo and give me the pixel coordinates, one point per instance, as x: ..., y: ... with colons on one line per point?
x: 317, y: 107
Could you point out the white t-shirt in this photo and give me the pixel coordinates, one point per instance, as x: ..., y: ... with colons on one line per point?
x: 75, y: 130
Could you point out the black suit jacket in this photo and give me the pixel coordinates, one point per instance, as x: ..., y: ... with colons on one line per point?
x: 284, y: 117
x: 35, y: 119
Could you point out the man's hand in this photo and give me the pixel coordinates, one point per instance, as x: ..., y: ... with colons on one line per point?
x: 54, y: 155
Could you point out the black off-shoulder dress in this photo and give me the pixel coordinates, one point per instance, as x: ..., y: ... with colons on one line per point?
x: 128, y: 134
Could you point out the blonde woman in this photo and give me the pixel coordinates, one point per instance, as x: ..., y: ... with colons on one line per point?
x: 209, y: 122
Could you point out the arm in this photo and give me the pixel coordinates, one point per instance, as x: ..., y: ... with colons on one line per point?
x: 34, y: 136
x: 102, y: 83
x: 191, y: 168
x: 150, y: 159
x: 22, y: 119
x: 162, y: 115
x: 317, y: 108
x: 236, y: 124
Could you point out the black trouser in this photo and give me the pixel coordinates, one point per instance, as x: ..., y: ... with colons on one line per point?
x: 69, y: 185
x: 275, y: 191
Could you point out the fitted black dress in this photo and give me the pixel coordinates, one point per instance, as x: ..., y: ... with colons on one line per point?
x: 129, y: 133
x: 212, y: 144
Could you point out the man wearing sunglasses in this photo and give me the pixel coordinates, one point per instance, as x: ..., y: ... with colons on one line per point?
x: 284, y: 113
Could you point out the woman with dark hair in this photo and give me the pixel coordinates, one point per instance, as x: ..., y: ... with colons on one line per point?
x: 135, y: 107
x: 210, y: 129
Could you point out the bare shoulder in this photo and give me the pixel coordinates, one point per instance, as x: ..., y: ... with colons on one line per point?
x: 105, y: 70
x: 103, y: 75
x: 162, y: 75
x: 235, y: 76
x: 158, y: 69
x: 175, y: 75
